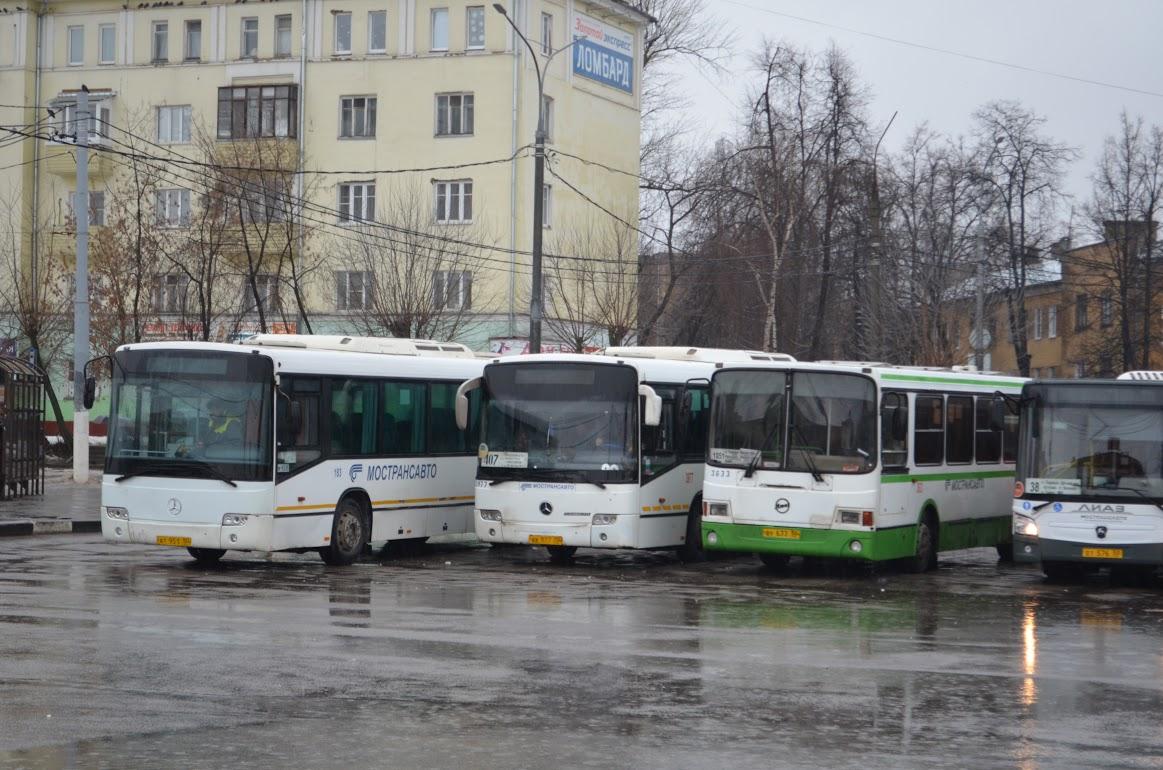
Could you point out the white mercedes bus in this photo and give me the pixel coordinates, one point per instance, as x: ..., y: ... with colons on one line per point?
x: 1089, y: 492
x: 595, y: 451
x: 858, y: 461
x: 287, y: 443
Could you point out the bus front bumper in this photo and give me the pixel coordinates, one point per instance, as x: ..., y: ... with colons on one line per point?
x: 254, y: 534
x: 1034, y: 550
x: 870, y: 545
x: 583, y: 534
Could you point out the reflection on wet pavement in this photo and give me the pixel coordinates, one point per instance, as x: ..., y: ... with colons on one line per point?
x: 124, y: 656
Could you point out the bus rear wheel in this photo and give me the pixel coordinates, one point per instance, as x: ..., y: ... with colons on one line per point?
x: 206, y: 555
x: 561, y: 554
x: 925, y: 558
x: 349, y: 534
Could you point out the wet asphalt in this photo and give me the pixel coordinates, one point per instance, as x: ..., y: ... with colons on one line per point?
x: 471, y: 657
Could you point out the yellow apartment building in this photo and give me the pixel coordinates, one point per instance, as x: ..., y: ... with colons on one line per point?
x: 373, y: 156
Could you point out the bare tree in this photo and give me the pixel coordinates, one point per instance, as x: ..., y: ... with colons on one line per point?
x: 416, y: 275
x: 1023, y: 169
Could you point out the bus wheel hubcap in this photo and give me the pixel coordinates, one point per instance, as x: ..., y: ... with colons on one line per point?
x: 348, y: 530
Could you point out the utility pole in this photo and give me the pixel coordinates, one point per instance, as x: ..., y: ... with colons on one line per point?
x: 81, y: 296
x: 979, y: 343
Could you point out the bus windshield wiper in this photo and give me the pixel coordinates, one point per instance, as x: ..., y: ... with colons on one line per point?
x: 809, y: 456
x: 754, y: 464
x: 1144, y: 495
x: 160, y: 469
x: 205, y: 466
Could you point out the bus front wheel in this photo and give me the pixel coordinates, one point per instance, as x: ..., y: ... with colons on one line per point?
x: 349, y: 534
x: 206, y: 555
x: 691, y: 550
x: 925, y: 558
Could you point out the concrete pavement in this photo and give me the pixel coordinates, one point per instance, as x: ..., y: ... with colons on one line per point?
x: 64, y: 507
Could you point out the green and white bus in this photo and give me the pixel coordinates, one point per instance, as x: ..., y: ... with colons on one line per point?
x: 858, y: 461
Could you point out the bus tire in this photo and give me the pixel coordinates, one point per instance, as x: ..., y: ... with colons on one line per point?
x: 925, y: 558
x: 1005, y: 551
x: 561, y: 554
x: 206, y: 555
x: 774, y: 561
x: 691, y: 551
x: 349, y: 533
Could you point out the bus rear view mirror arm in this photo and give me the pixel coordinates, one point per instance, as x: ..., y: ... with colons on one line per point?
x: 652, y: 406
x: 462, y: 392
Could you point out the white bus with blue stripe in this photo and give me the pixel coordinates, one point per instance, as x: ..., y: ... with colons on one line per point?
x: 287, y: 443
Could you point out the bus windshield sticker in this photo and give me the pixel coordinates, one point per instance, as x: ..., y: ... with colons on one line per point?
x: 482, y: 451
x: 506, y: 460
x: 1054, y: 486
x: 733, y: 456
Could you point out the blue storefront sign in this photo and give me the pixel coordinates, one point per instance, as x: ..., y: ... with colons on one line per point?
x: 603, y: 53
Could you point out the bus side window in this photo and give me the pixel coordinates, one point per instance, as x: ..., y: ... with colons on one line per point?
x: 698, y: 414
x: 444, y: 437
x: 1010, y: 433
x: 894, y: 430
x: 959, y: 430
x: 404, y: 424
x: 929, y: 422
x: 353, y: 412
x: 304, y: 447
x: 988, y: 434
x: 658, y: 443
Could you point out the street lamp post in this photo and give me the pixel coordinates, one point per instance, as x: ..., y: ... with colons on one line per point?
x: 535, y: 307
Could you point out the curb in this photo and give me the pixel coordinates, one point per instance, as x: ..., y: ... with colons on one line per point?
x: 24, y: 527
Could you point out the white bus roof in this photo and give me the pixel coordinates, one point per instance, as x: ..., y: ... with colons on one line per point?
x: 711, y: 355
x: 1142, y: 374
x: 908, y: 377
x: 392, y: 346
x: 649, y: 369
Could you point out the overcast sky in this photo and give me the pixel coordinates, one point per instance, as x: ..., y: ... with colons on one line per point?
x: 1117, y: 42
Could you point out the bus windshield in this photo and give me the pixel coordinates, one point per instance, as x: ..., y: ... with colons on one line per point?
x: 192, y: 414
x: 1093, y: 441
x: 560, y: 421
x: 830, y: 426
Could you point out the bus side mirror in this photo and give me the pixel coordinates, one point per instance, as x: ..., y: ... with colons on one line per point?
x: 462, y: 392
x: 90, y: 394
x: 652, y: 410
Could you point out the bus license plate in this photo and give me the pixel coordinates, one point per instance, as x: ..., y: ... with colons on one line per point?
x: 782, y: 534
x: 546, y: 540
x: 1102, y: 553
x: 183, y: 542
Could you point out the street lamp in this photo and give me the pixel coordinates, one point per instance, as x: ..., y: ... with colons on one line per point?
x: 535, y: 309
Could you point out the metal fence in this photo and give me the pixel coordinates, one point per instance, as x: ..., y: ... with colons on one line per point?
x: 21, y: 428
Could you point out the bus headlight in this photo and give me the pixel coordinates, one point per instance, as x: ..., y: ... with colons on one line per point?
x: 234, y: 519
x: 715, y: 509
x: 605, y: 519
x: 1024, y: 525
x: 114, y: 512
x: 488, y: 514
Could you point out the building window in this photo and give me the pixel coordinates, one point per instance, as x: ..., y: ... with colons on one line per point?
x: 173, y: 208
x: 250, y: 38
x: 452, y: 289
x: 99, y: 117
x: 254, y: 111
x: 1049, y: 372
x: 193, y: 40
x: 107, y: 43
x: 161, y: 42
x: 357, y: 116
x: 377, y: 32
x: 283, y: 36
x: 267, y: 287
x: 1079, y: 370
x: 547, y: 117
x: 474, y: 23
x: 266, y: 200
x: 169, y: 293
x: 352, y: 290
x: 1052, y: 321
x: 96, y: 206
x: 454, y: 202
x: 439, y: 29
x: 357, y: 202
x: 1106, y: 309
x: 546, y: 205
x: 342, y: 45
x: 76, y: 46
x: 1037, y: 323
x: 1081, y: 321
x: 173, y: 124
x: 1106, y: 366
x: 546, y: 34
x: 454, y: 114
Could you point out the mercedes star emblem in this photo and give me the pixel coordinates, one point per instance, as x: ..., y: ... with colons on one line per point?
x: 546, y: 508
x: 175, y: 506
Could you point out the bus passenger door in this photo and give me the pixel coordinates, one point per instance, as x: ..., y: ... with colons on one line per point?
x: 664, y: 501
x: 895, y: 489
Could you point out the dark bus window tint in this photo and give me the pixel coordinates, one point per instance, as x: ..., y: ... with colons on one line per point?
x: 403, y: 418
x: 894, y: 424
x: 445, y: 437
x: 988, y: 439
x: 929, y: 420
x: 959, y: 430
x: 698, y: 415
x: 303, y: 447
x: 353, y: 417
x: 1010, y: 433
x: 658, y: 442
